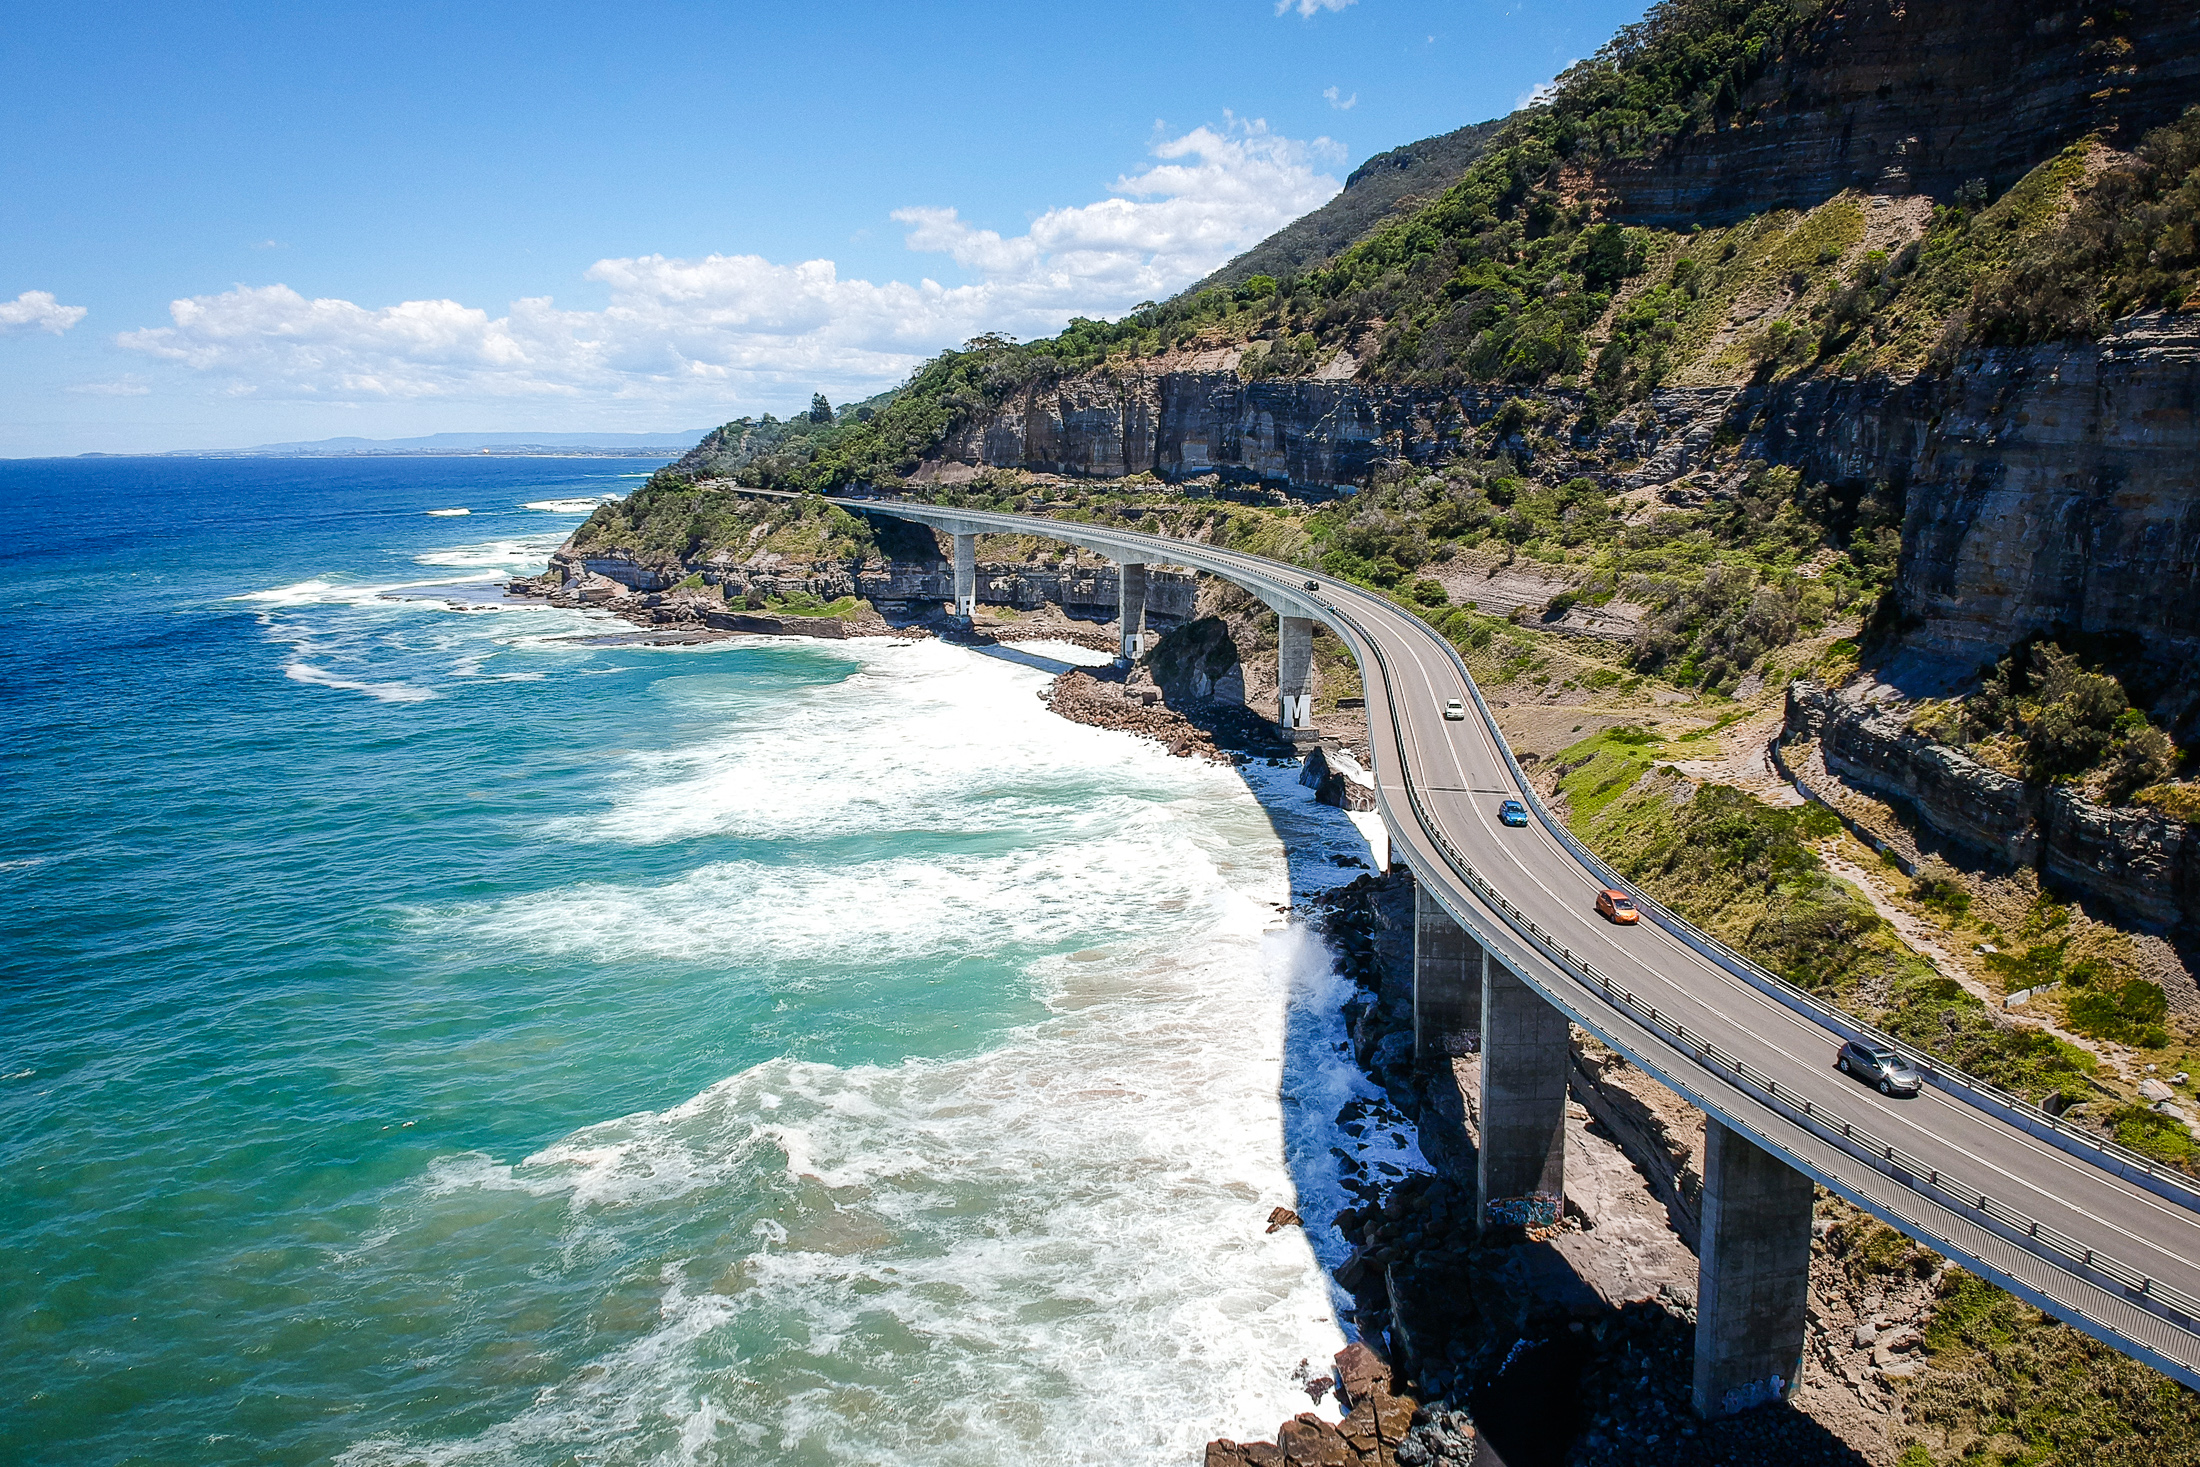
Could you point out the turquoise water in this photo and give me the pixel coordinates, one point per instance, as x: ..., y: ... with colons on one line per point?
x: 435, y: 1035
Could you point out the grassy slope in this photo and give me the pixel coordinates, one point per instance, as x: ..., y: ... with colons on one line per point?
x: 1384, y: 185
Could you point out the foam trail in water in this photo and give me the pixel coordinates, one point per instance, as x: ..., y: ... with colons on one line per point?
x: 991, y: 754
x: 305, y: 672
x: 572, y: 506
x: 1053, y: 1249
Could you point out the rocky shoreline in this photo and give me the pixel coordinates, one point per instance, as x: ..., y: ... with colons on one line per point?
x: 1571, y: 1342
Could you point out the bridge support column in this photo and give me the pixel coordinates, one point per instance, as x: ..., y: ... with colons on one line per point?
x: 1521, y: 1171
x: 1131, y: 597
x: 1447, y: 982
x: 966, y: 576
x: 1294, y: 672
x: 1752, y: 1277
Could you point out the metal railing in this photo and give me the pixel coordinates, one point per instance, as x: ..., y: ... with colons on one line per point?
x: 2173, y: 1305
x: 2108, y: 1155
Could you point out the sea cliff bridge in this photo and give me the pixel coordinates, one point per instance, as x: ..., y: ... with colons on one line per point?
x: 1507, y: 946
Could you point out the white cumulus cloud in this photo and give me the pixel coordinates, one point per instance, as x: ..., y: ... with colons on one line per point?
x: 129, y: 384
x: 1310, y: 7
x: 728, y: 328
x: 37, y: 310
x: 1342, y: 104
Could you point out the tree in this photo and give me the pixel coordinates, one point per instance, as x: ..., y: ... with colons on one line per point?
x: 821, y: 411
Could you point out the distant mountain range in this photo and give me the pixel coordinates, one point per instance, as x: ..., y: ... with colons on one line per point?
x: 669, y: 444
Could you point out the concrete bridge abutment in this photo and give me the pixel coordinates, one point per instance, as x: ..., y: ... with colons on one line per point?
x: 1752, y: 1275
x: 1520, y: 1174
x: 1447, y: 982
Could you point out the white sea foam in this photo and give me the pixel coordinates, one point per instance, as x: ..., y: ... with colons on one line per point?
x: 1052, y: 1249
x: 517, y: 552
x: 316, y: 592
x: 447, y: 513
x: 577, y: 505
x: 948, y: 740
x: 306, y: 672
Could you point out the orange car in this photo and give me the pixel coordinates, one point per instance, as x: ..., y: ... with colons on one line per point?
x: 1616, y: 906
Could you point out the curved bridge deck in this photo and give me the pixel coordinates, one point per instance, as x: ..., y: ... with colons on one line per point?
x: 2092, y: 1234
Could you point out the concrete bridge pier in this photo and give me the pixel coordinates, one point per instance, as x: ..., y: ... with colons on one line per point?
x: 1131, y: 584
x: 1447, y: 982
x: 1752, y: 1275
x: 1294, y: 672
x: 1521, y: 1169
x: 966, y: 576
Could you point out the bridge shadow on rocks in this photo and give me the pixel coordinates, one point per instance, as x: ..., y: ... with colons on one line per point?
x: 1504, y: 1353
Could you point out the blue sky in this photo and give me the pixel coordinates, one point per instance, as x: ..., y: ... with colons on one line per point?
x: 235, y: 223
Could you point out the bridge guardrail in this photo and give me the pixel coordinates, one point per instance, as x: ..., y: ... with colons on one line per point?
x: 2109, y: 1156
x: 2173, y: 1306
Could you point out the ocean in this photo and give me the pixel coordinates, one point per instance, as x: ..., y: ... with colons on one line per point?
x: 444, y: 1031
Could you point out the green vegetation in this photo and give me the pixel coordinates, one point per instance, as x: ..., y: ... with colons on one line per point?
x: 2132, y: 243
x: 1600, y: 769
x: 2043, y: 713
x: 2010, y: 1385
x: 673, y: 519
x: 1377, y: 188
x: 2097, y: 1001
x: 1745, y: 871
x: 1937, y: 886
x: 2162, y: 1137
x: 2129, y: 1011
x: 1723, y: 585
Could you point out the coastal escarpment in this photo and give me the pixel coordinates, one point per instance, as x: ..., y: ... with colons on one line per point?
x: 1916, y: 96
x: 1309, y: 435
x: 2044, y: 488
x: 2040, y: 488
x: 2139, y: 862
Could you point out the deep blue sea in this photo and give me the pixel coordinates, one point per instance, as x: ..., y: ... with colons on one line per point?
x: 435, y: 1032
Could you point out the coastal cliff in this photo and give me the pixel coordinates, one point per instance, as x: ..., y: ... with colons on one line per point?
x: 2043, y: 487
x: 2139, y: 862
x: 1917, y: 96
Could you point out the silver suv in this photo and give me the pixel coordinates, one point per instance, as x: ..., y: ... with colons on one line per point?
x: 1877, y: 1065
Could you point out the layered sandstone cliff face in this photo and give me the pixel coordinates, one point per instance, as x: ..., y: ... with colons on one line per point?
x: 2047, y: 489
x: 2050, y: 488
x: 1312, y: 435
x: 2139, y: 862
x: 1922, y: 96
x: 1088, y: 592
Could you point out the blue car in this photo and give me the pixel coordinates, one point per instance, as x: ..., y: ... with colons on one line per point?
x: 1512, y: 812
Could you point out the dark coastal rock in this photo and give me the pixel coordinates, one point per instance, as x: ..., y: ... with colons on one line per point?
x: 1338, y: 780
x: 1083, y: 698
x: 776, y: 626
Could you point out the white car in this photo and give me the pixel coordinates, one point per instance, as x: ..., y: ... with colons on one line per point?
x: 1454, y: 709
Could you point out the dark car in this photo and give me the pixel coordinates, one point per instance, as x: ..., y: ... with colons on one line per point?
x: 1617, y: 906
x: 1875, y: 1064
x: 1512, y: 812
x: 1313, y: 585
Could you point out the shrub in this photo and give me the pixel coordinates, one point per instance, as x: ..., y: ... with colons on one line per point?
x: 2129, y: 1012
x: 1938, y: 886
x: 2149, y: 1133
